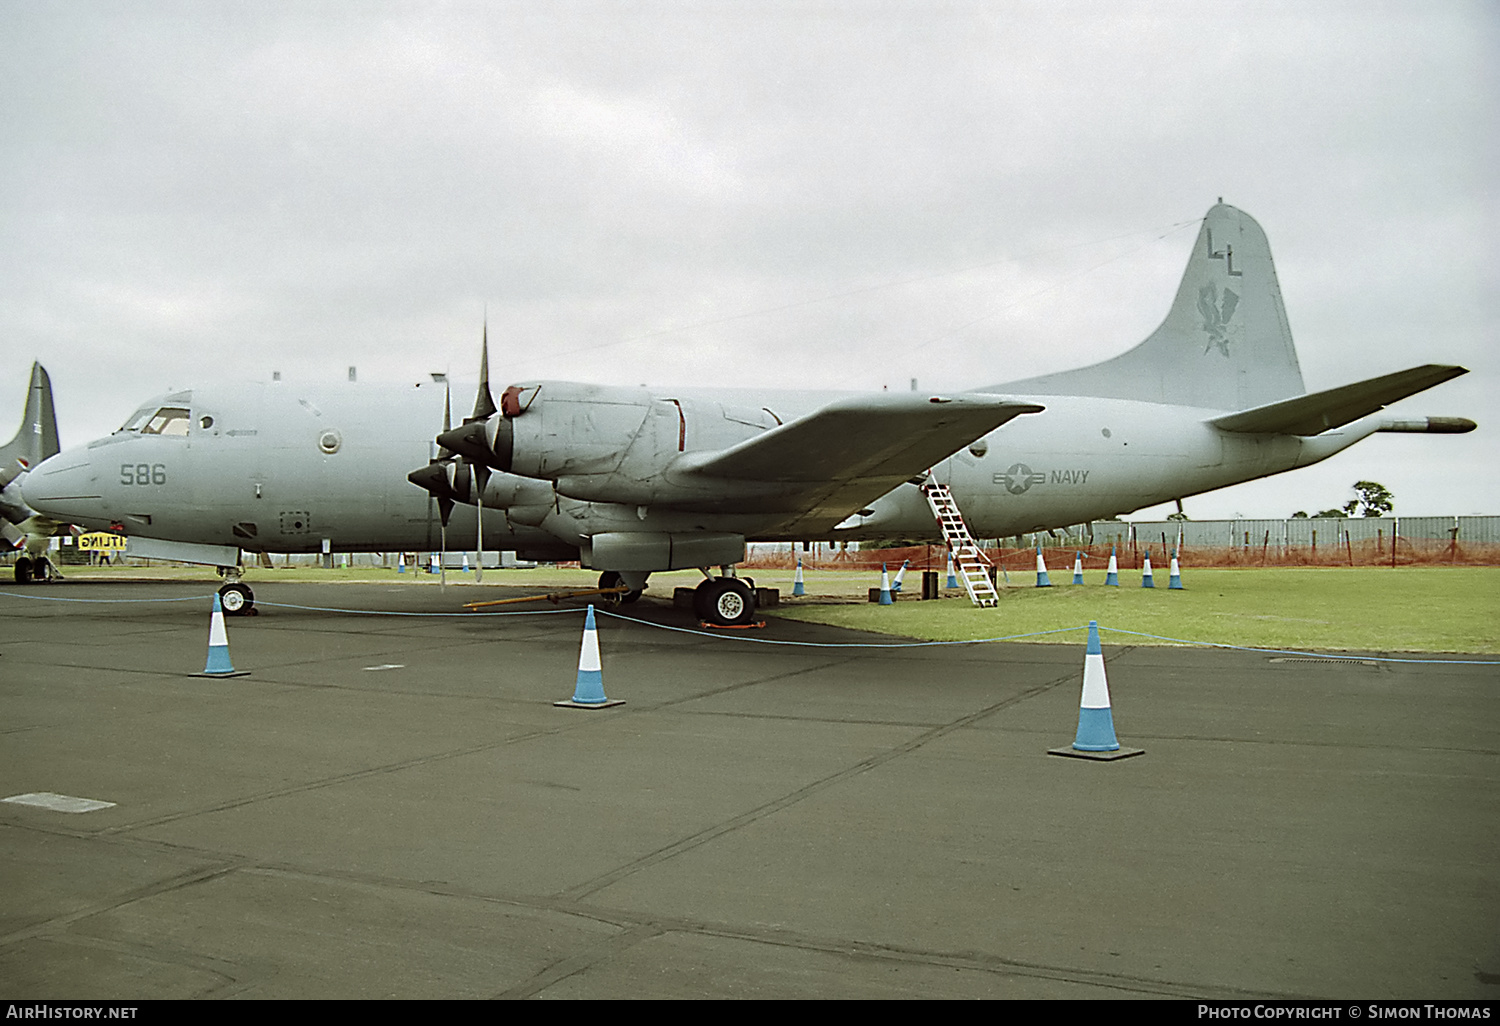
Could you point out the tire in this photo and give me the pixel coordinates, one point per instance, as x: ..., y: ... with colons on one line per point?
x: 611, y: 579
x: 23, y: 570
x: 41, y: 571
x: 724, y: 602
x: 236, y: 599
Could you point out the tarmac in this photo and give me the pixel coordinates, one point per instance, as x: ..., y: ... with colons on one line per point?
x: 392, y: 807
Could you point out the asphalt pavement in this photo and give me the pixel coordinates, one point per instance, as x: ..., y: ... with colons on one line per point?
x: 392, y: 806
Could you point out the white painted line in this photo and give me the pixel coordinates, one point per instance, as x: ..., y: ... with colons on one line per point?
x: 387, y: 666
x: 58, y: 802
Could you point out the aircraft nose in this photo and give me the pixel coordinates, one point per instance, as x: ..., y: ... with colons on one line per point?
x: 65, y: 487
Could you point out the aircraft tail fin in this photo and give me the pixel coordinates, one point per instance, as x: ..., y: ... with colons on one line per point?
x: 1225, y: 343
x: 37, y: 437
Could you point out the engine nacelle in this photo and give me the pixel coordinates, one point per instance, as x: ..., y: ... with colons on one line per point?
x: 600, y: 443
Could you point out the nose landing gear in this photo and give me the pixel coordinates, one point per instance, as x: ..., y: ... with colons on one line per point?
x: 235, y: 595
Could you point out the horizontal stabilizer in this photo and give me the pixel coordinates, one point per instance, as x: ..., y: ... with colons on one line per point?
x: 884, y: 436
x: 1320, y: 411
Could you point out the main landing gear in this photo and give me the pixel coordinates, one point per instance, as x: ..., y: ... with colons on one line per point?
x: 613, y: 579
x: 721, y: 601
x: 235, y: 596
x: 36, y: 570
x: 725, y: 601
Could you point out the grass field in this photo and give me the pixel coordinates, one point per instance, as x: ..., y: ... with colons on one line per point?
x: 1410, y: 609
x: 1362, y: 608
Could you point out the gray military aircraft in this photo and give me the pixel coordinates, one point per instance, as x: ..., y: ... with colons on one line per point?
x: 632, y: 481
x: 35, y: 440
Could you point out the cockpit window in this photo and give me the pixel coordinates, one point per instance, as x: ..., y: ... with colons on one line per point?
x: 137, y: 418
x: 169, y: 420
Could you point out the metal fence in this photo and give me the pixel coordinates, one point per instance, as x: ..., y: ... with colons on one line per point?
x: 1315, y: 541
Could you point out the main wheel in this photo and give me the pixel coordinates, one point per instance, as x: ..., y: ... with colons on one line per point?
x: 41, y: 570
x: 23, y: 570
x: 236, y: 599
x: 725, y: 602
x: 611, y: 579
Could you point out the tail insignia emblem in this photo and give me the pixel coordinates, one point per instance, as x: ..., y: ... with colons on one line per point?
x: 1216, y: 315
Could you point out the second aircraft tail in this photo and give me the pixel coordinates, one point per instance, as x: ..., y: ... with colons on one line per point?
x: 37, y: 437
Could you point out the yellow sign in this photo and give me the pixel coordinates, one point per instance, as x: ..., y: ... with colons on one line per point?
x: 100, y: 542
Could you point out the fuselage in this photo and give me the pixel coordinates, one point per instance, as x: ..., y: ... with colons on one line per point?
x: 275, y: 467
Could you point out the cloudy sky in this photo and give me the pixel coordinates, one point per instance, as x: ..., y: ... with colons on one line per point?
x: 830, y: 193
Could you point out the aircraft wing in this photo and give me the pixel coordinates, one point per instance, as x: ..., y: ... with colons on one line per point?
x: 886, y: 436
x: 1319, y: 411
x: 839, y: 458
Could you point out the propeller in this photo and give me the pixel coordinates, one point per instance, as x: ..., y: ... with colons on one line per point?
x: 450, y: 479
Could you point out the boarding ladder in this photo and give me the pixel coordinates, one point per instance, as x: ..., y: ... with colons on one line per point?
x: 973, y: 568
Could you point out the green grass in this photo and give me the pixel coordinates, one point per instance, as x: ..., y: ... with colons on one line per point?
x: 1409, y: 609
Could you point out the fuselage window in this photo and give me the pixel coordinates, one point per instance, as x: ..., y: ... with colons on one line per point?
x: 169, y: 420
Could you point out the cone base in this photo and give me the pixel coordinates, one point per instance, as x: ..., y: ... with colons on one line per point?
x: 570, y: 704
x: 1118, y: 753
x: 222, y: 673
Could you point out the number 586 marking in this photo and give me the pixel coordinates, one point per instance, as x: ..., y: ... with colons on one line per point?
x: 143, y: 473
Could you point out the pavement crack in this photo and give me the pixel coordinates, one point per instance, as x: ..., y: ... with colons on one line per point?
x: 734, y: 823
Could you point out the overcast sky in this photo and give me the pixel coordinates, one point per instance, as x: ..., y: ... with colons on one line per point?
x: 833, y: 194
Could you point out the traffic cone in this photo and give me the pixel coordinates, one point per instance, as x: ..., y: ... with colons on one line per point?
x: 218, y: 664
x: 1041, y: 569
x: 1077, y: 567
x: 885, y: 586
x: 797, y: 587
x: 1174, y: 580
x: 1146, y: 581
x: 433, y: 568
x: 1096, y: 725
x: 466, y: 564
x: 900, y: 576
x: 952, y: 579
x: 588, y: 692
x: 400, y: 562
x: 1112, y: 575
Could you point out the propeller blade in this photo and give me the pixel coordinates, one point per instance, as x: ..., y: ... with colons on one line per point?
x: 479, y: 555
x: 484, y: 402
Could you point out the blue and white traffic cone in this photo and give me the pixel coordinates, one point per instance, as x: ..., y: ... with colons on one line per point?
x: 885, y: 586
x: 1096, y: 724
x: 952, y: 579
x: 1146, y: 581
x: 218, y: 664
x: 433, y: 568
x: 466, y: 564
x: 900, y: 576
x: 1041, y: 569
x: 1174, y: 581
x: 1077, y: 567
x: 1112, y: 575
x: 797, y: 586
x: 588, y: 692
x: 400, y: 562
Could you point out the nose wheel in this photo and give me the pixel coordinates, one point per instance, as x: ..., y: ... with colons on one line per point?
x: 237, y: 599
x: 34, y: 571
